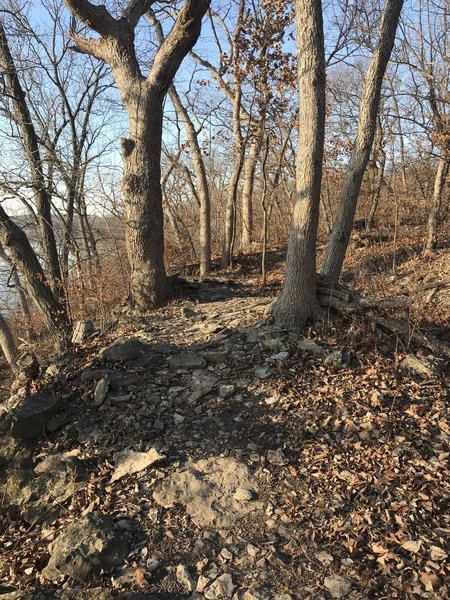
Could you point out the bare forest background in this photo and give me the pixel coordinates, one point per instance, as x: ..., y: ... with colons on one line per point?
x: 229, y: 117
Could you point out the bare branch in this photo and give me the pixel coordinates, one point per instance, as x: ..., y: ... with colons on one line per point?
x: 94, y: 16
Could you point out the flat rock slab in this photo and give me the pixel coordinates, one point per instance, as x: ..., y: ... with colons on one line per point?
x: 129, y: 462
x: 40, y: 494
x: 30, y: 418
x: 86, y: 548
x: 124, y: 349
x: 420, y: 366
x: 187, y: 361
x: 117, y: 379
x: 207, y: 489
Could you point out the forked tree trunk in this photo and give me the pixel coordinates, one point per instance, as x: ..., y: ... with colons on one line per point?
x: 7, y: 343
x: 439, y: 185
x: 340, y: 236
x: 298, y: 302
x: 143, y: 99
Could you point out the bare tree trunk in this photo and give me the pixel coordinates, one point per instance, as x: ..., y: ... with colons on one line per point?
x: 378, y: 176
x: 248, y: 181
x: 202, y: 183
x: 199, y: 168
x: 16, y: 284
x: 53, y: 311
x: 31, y: 147
x: 141, y: 185
x: 298, y: 302
x: 340, y: 236
x: 7, y: 343
x: 230, y: 210
x: 439, y: 184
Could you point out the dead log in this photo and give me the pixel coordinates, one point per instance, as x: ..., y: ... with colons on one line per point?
x: 340, y: 299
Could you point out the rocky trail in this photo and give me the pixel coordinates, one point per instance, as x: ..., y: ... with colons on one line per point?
x: 200, y: 452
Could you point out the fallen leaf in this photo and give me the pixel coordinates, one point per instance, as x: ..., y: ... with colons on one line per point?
x: 412, y: 546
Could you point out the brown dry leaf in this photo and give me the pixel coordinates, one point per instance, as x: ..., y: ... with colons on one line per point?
x: 139, y: 577
x: 437, y: 553
x: 413, y: 546
x: 378, y: 549
x: 430, y: 581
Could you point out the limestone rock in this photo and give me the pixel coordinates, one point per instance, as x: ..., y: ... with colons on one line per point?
x: 187, y: 361
x: 338, y: 586
x: 86, y: 548
x: 185, y: 579
x: 117, y: 379
x: 124, y: 349
x: 129, y: 462
x: 221, y: 588
x: 40, y: 494
x: 311, y: 346
x: 420, y: 366
x: 101, y: 390
x: 30, y: 419
x: 216, y: 357
x: 82, y: 331
x: 226, y: 390
x: 207, y: 489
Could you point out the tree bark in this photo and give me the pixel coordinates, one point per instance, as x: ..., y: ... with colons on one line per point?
x: 199, y: 168
x: 340, y: 236
x: 7, y: 343
x: 141, y: 185
x: 23, y: 302
x: 31, y: 147
x: 52, y: 309
x: 247, y: 190
x: 439, y: 184
x: 202, y: 182
x: 143, y: 99
x: 298, y: 301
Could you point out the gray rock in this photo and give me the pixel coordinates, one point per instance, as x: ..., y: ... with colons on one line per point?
x: 185, y: 579
x: 280, y: 356
x: 7, y: 409
x: 338, y: 586
x: 129, y: 462
x: 420, y: 366
x: 82, y: 331
x: 117, y: 379
x: 276, y: 457
x: 221, y: 588
x: 226, y: 390
x: 30, y: 419
x: 206, y: 489
x: 188, y: 313
x: 187, y: 361
x: 216, y: 357
x: 310, y: 346
x: 335, y: 360
x: 40, y: 493
x: 86, y: 548
x: 262, y: 372
x: 101, y: 390
x: 124, y: 349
